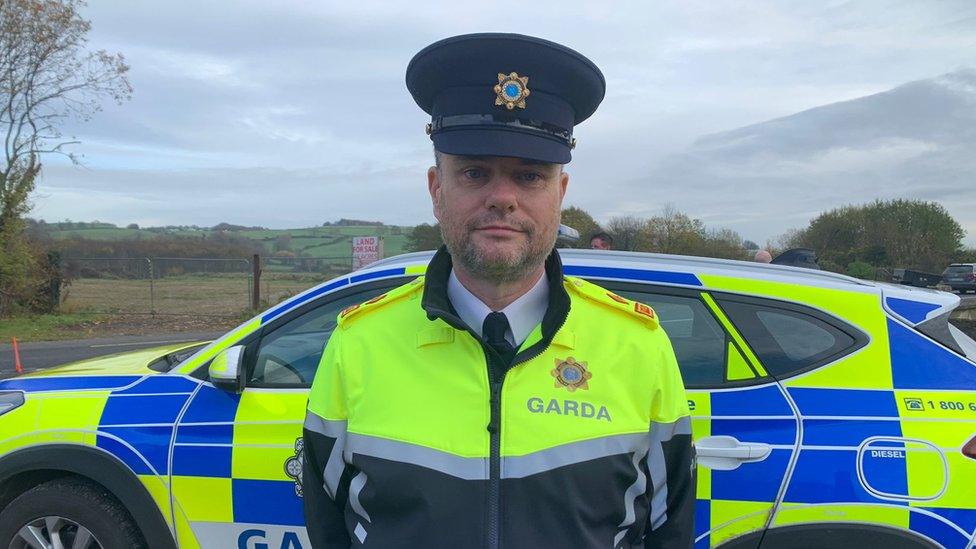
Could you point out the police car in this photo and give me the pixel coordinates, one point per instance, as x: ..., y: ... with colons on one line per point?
x: 828, y: 412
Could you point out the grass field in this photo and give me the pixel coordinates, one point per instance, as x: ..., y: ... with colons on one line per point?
x: 315, y: 242
x: 226, y: 295
x: 189, y: 303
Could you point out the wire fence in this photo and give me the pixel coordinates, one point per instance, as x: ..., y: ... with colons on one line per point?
x: 217, y: 287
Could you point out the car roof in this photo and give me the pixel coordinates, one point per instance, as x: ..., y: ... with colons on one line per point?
x: 670, y: 262
x: 912, y: 305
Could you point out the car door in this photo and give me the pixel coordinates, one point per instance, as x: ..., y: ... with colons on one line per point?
x: 884, y: 419
x: 236, y: 474
x: 744, y: 428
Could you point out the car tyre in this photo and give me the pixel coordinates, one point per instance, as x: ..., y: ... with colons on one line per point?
x: 83, y: 514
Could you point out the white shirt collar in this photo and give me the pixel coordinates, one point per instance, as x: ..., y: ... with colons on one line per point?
x: 523, y: 314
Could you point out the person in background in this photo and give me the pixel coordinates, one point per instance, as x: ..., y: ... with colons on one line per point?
x: 601, y: 241
x: 763, y: 256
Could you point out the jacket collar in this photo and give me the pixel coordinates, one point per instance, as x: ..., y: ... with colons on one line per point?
x: 437, y: 305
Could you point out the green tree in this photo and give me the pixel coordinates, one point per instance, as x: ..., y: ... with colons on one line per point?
x: 579, y: 219
x: 723, y: 243
x: 965, y: 256
x: 910, y: 234
x: 861, y: 269
x: 674, y: 232
x: 424, y: 237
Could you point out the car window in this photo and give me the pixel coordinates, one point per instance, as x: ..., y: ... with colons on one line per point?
x: 789, y: 339
x: 698, y: 340
x: 956, y: 270
x: 799, y: 338
x: 289, y: 355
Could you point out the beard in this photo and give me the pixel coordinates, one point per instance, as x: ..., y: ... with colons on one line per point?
x: 497, y: 265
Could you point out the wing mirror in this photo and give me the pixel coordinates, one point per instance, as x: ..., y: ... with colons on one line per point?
x: 227, y: 369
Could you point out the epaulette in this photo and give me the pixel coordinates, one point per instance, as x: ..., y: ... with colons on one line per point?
x: 605, y: 297
x: 359, y: 309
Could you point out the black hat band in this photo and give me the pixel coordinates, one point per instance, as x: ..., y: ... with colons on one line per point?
x: 488, y: 121
x: 542, y: 106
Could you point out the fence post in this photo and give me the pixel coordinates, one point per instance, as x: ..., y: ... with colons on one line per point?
x: 56, y: 277
x: 256, y: 286
x: 152, y: 288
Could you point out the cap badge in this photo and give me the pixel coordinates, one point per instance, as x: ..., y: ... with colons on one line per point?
x: 511, y: 90
x: 571, y: 374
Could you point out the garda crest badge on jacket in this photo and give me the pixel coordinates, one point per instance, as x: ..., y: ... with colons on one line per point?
x: 571, y: 374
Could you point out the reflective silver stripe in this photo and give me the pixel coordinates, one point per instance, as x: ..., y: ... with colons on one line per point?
x: 355, y: 487
x: 360, y: 532
x: 404, y: 452
x: 570, y: 454
x: 656, y: 465
x: 638, y: 488
x: 328, y: 427
x: 332, y: 472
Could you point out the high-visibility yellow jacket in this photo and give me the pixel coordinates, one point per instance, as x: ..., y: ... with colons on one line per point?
x: 417, y: 435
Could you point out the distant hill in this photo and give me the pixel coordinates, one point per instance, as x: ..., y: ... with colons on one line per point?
x: 313, y: 242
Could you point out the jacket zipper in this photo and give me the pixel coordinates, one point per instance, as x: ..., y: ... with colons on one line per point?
x: 494, y: 462
x: 495, y: 381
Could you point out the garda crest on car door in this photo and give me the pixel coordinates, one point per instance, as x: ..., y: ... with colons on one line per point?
x: 237, y: 458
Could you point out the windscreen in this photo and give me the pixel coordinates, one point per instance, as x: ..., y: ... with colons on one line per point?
x: 955, y: 270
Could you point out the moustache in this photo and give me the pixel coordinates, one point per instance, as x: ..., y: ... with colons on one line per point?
x: 485, y: 221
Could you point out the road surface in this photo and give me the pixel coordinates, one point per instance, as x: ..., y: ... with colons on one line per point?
x: 44, y: 354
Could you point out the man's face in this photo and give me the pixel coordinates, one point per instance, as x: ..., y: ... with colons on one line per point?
x: 499, y: 216
x: 599, y: 244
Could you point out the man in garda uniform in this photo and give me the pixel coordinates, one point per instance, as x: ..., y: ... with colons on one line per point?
x: 495, y: 402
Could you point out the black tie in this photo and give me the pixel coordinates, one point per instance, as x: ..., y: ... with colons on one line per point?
x: 493, y: 330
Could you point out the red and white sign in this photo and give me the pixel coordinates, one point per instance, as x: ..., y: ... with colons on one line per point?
x: 366, y: 250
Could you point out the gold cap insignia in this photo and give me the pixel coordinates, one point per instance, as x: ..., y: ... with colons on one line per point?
x: 571, y: 374
x: 511, y: 90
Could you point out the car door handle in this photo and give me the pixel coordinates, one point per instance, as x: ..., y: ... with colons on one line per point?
x: 725, y: 453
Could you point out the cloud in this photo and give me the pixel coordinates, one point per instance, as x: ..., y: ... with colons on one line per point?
x: 290, y: 113
x: 915, y: 141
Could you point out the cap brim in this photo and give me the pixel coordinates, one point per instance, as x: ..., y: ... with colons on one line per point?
x: 500, y: 142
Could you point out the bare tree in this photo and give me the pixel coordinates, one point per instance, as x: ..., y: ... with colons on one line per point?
x: 629, y: 233
x: 46, y: 78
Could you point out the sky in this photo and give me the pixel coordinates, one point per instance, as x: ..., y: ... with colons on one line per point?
x: 289, y: 114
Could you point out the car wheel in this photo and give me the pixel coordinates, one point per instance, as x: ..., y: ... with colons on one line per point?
x: 72, y: 513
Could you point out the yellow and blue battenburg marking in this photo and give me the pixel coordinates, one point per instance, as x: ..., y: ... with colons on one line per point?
x: 874, y: 437
x: 734, y: 502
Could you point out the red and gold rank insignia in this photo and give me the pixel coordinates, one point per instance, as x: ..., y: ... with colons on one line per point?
x: 642, y: 309
x: 348, y: 310
x: 617, y: 298
x: 511, y: 90
x: 571, y: 374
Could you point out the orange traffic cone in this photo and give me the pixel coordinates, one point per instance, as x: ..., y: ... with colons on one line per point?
x: 17, y: 365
